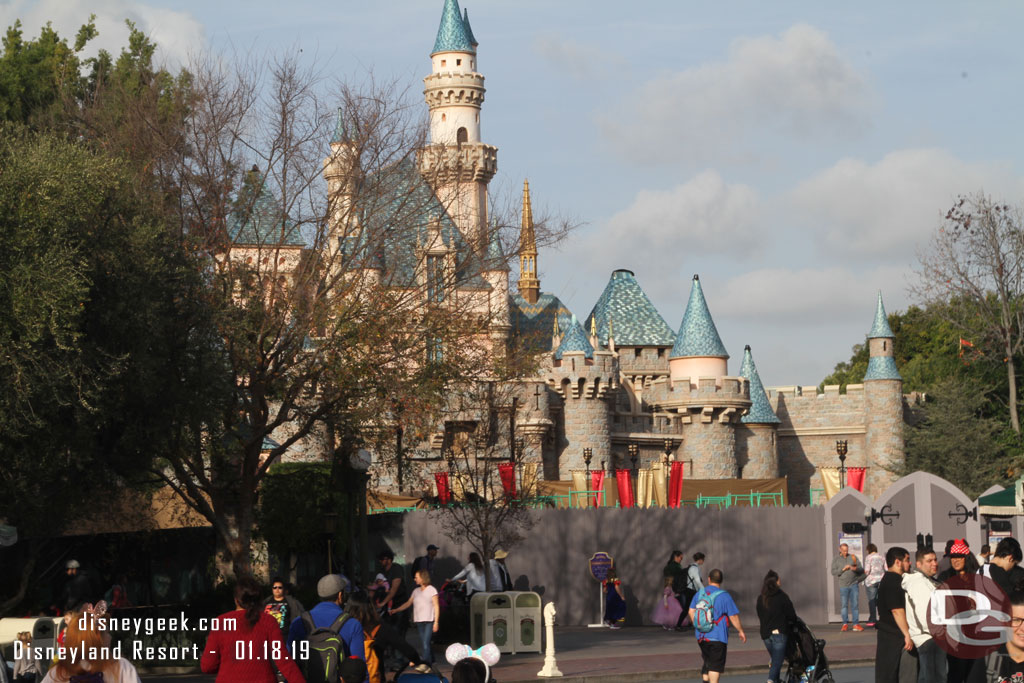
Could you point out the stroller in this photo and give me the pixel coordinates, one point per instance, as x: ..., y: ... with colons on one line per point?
x: 805, y: 656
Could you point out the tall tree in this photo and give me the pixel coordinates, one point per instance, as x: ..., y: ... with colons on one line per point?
x: 975, y: 267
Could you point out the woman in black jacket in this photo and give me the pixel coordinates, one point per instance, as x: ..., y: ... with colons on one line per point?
x: 776, y: 613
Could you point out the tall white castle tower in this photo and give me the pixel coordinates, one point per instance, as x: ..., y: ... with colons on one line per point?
x: 456, y: 163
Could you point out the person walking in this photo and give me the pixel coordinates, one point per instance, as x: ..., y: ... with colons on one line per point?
x: 473, y: 575
x: 717, y: 610
x: 667, y: 608
x: 426, y: 610
x: 874, y: 568
x: 962, y: 565
x: 919, y: 585
x: 893, y: 630
x: 775, y: 612
x: 281, y: 606
x: 398, y: 592
x: 248, y: 651
x: 674, y: 570
x: 332, y: 590
x: 1004, y: 566
x: 425, y: 561
x: 848, y: 571
x: 694, y: 581
x: 501, y: 580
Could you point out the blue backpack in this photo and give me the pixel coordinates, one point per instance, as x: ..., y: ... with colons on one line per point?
x: 704, y: 611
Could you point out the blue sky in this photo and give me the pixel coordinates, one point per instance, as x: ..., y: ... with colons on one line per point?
x: 795, y: 154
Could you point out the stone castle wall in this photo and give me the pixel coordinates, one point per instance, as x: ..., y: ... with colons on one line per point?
x: 756, y: 454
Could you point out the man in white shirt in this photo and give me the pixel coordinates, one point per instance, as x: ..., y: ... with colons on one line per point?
x: 501, y: 580
x: 931, y: 659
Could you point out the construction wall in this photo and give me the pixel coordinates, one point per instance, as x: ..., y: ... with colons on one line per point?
x: 743, y: 542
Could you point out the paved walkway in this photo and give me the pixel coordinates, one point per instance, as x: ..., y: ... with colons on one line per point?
x: 643, y: 653
x: 650, y: 653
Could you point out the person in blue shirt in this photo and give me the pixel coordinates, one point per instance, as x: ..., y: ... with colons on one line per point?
x: 714, y: 643
x: 331, y: 590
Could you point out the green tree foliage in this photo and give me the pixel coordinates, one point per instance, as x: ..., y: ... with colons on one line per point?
x: 957, y: 439
x: 297, y: 491
x: 36, y: 75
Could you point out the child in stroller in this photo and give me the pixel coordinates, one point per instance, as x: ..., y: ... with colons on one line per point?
x: 805, y: 655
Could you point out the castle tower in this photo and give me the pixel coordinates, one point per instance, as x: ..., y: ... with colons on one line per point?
x: 456, y: 163
x: 709, y: 403
x: 584, y: 378
x: 496, y: 272
x: 756, y: 449
x: 883, y: 407
x: 340, y: 170
x: 529, y: 284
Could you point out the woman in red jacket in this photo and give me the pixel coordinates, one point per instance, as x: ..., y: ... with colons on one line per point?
x: 247, y: 642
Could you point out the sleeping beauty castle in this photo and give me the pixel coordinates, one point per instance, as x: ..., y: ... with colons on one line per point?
x: 621, y: 383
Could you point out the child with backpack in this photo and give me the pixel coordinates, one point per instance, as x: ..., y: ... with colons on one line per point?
x: 426, y: 610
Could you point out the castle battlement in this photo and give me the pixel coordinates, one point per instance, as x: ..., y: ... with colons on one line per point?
x: 454, y: 88
x: 831, y: 391
x: 467, y: 162
x: 683, y: 387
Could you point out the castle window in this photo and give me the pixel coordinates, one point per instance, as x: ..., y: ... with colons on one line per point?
x: 884, y: 344
x: 472, y: 64
x: 444, y: 62
x: 461, y: 136
x: 661, y: 353
x: 434, y: 350
x: 435, y: 278
x: 637, y: 352
x: 458, y: 62
x: 444, y: 117
x: 281, y: 261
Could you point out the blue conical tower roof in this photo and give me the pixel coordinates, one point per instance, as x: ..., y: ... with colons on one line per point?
x: 495, y: 258
x: 453, y: 35
x: 881, y: 327
x: 760, y: 409
x: 340, y: 132
x: 469, y: 29
x: 635, y: 321
x: 575, y: 341
x: 698, y: 335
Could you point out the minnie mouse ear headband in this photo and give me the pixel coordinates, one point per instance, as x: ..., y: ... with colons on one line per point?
x: 488, y: 654
x: 959, y: 548
x: 97, y: 610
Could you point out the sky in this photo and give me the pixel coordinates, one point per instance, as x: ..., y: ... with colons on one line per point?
x: 798, y: 156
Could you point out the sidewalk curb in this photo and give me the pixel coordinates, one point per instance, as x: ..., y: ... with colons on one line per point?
x: 669, y: 675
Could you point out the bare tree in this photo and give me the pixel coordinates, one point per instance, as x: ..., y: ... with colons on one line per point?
x: 974, y: 267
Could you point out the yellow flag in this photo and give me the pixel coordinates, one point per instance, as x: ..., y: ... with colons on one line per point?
x: 829, y: 480
x: 579, y: 483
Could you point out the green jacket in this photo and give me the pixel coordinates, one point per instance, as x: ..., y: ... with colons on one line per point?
x: 678, y: 574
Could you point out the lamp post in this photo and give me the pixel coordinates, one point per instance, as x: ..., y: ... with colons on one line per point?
x: 668, y: 451
x: 634, y: 451
x: 588, y: 453
x: 841, y: 451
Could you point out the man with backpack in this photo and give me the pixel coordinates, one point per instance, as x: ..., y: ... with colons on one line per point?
x: 711, y: 611
x: 332, y: 634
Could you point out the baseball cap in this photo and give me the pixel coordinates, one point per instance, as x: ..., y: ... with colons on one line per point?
x: 432, y: 547
x: 72, y: 564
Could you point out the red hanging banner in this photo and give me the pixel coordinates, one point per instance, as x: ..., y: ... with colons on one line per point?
x: 625, y: 483
x: 855, y: 477
x: 507, y: 471
x: 675, y: 483
x: 597, y: 484
x: 444, y: 492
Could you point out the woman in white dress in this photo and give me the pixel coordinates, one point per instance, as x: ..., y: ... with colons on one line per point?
x: 473, y: 575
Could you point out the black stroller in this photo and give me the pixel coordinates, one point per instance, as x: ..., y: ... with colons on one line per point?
x: 805, y: 656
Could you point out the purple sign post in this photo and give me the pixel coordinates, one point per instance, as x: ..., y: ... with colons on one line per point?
x: 599, y: 564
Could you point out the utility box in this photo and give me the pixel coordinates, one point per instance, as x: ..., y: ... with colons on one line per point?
x: 526, y: 621
x: 490, y: 621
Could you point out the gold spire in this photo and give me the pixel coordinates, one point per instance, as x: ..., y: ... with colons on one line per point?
x: 593, y: 326
x: 557, y: 332
x: 611, y: 335
x: 529, y: 284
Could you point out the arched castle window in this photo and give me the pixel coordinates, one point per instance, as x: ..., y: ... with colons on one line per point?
x: 461, y: 136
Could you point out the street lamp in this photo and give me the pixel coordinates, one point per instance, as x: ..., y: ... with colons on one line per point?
x: 841, y: 451
x: 668, y: 451
x: 588, y: 453
x: 634, y: 451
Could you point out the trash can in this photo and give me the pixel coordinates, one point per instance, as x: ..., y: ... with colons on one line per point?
x: 526, y: 621
x: 491, y: 621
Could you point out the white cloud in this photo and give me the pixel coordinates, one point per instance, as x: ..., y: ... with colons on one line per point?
x: 883, y: 211
x: 580, y: 60
x: 797, y: 84
x: 824, y: 295
x: 705, y: 216
x: 177, y: 34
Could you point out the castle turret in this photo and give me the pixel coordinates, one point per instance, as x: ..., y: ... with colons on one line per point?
x: 584, y: 378
x: 698, y: 351
x: 341, y: 168
x: 496, y: 272
x: 709, y: 404
x: 883, y: 406
x: 756, y: 448
x: 529, y: 284
x: 456, y: 163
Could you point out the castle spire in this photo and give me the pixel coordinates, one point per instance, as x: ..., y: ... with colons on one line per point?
x: 881, y: 355
x: 469, y: 29
x: 760, y: 409
x: 453, y: 35
x: 698, y: 335
x: 529, y: 284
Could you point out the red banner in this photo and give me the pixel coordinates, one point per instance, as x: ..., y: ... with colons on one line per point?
x: 855, y: 477
x: 597, y: 484
x: 444, y: 492
x: 625, y: 482
x: 508, y: 478
x: 675, y: 483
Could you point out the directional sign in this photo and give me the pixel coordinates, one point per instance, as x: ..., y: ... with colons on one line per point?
x: 600, y: 563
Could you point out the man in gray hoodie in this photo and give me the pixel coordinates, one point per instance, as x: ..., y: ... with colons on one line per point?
x: 849, y: 571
